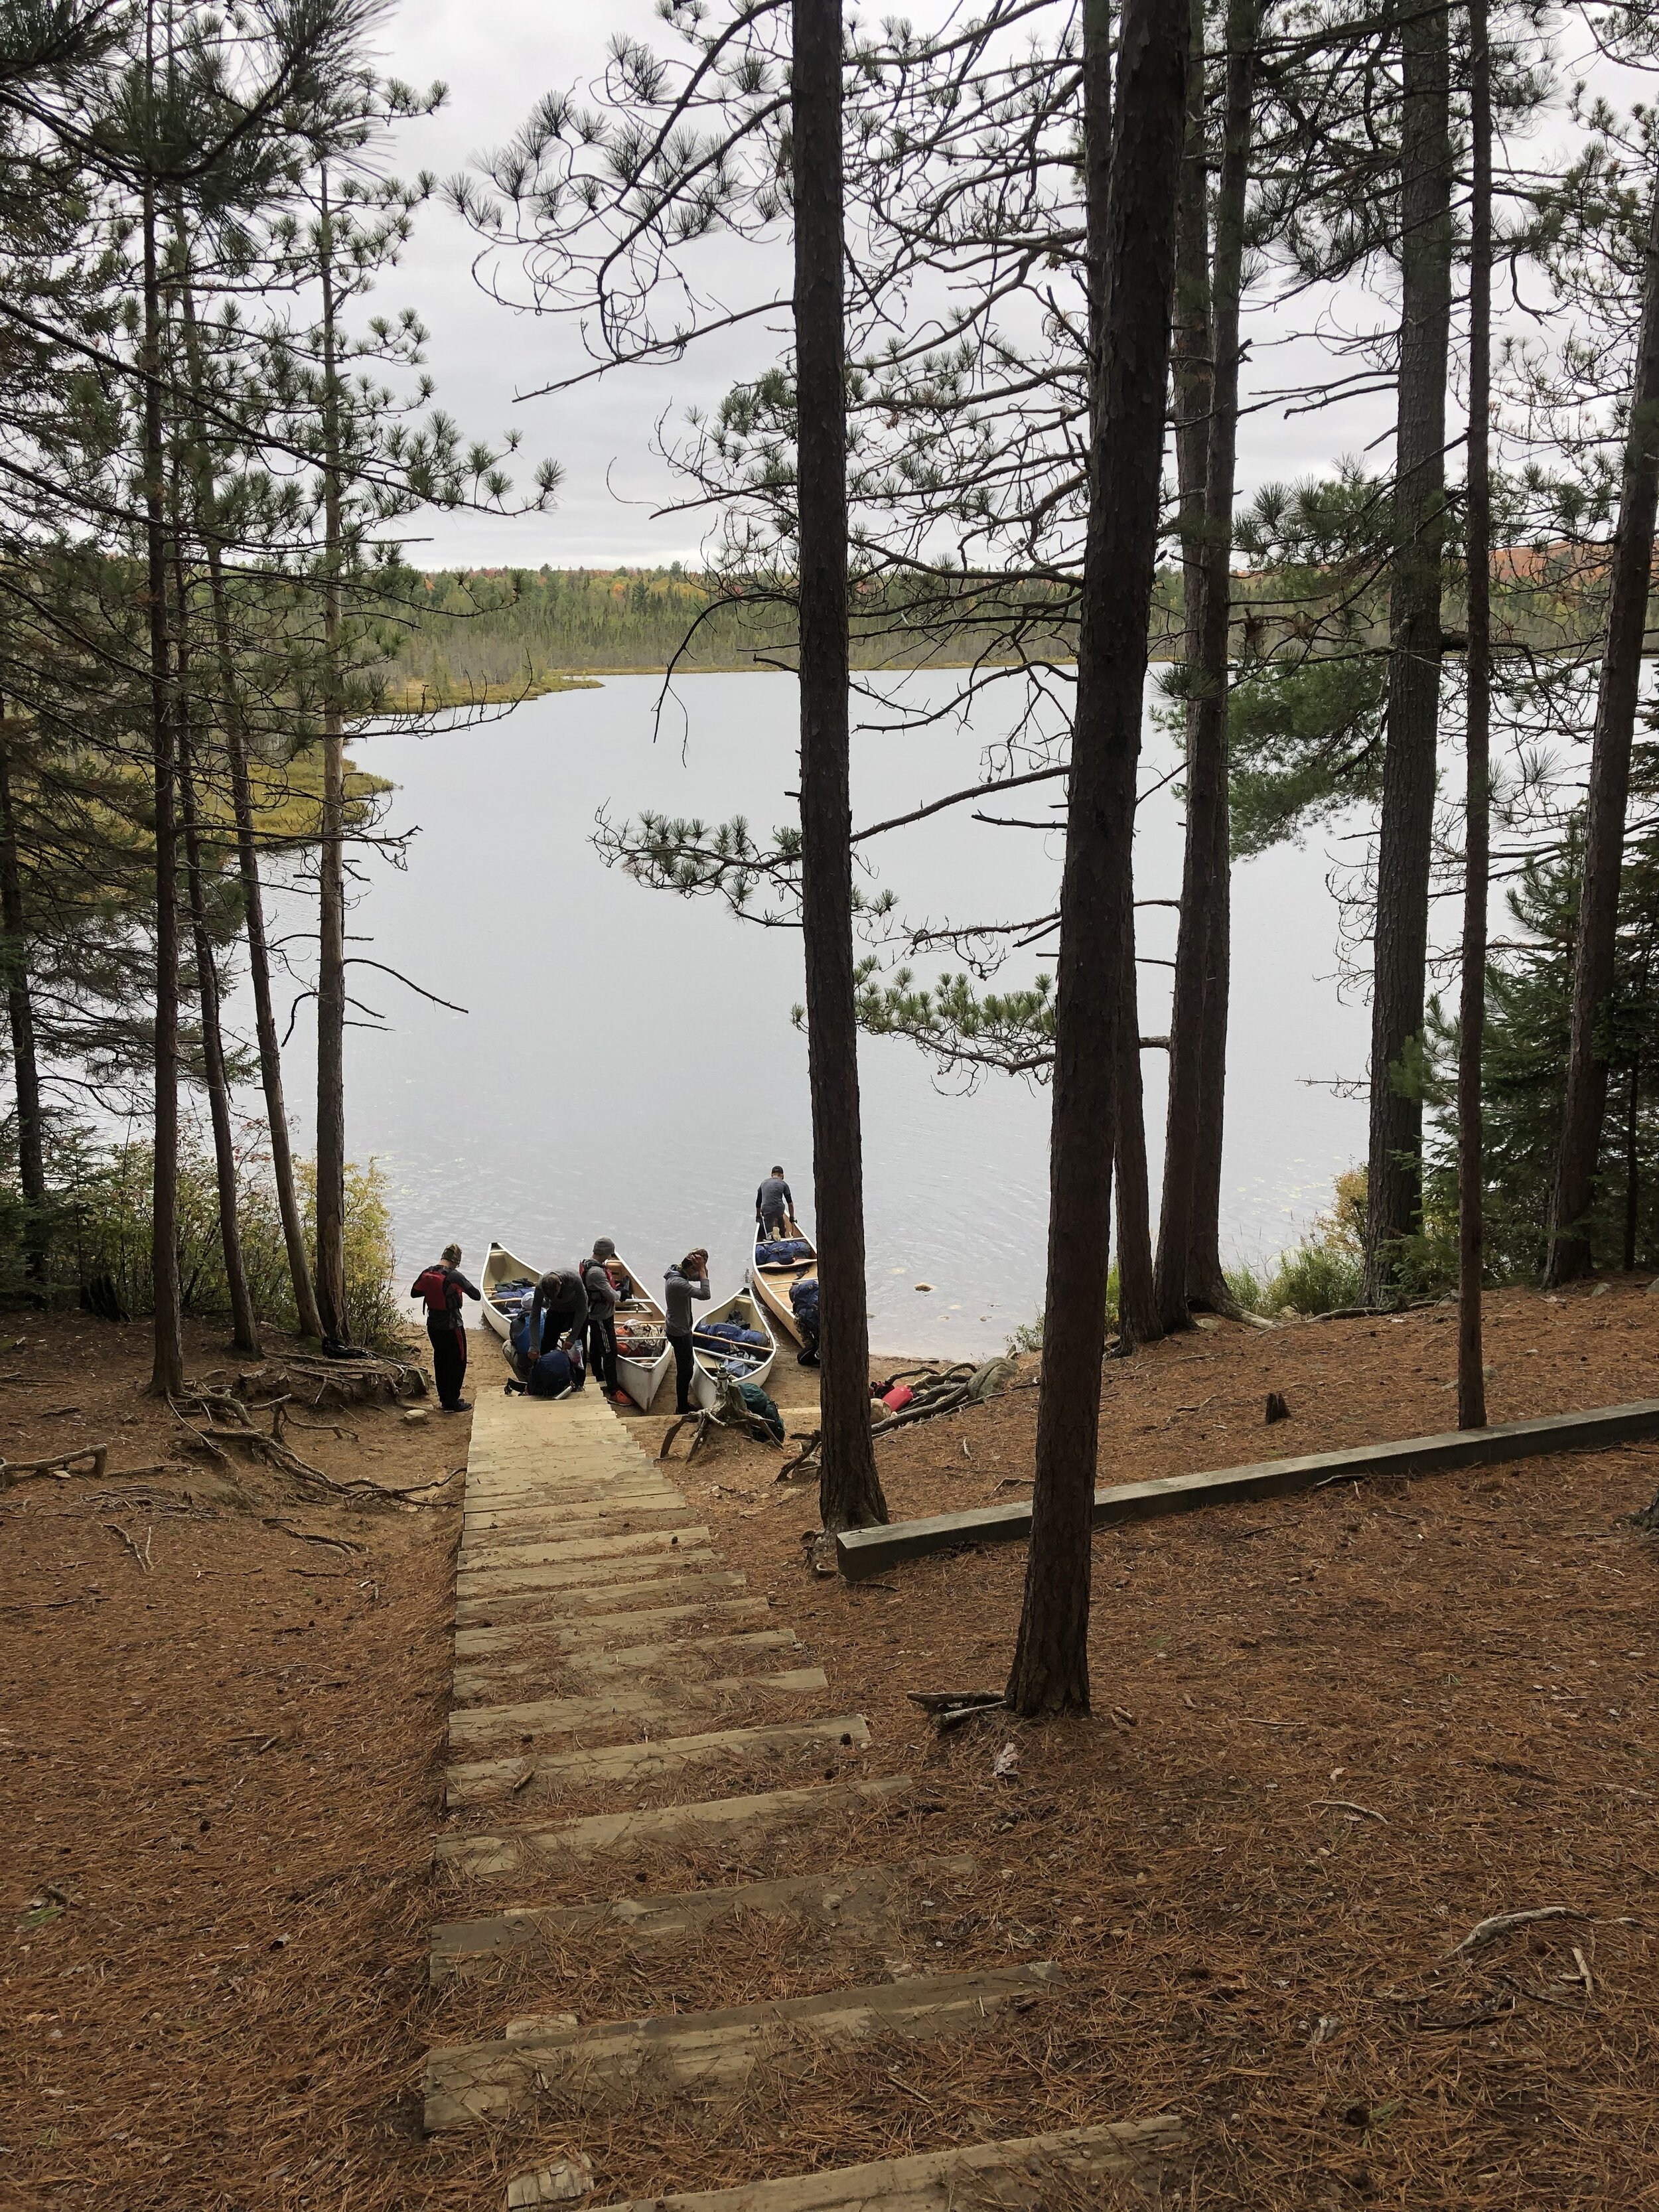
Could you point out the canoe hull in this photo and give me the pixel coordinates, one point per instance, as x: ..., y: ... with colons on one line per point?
x: 739, y: 1307
x: 503, y: 1266
x: 642, y: 1379
x: 771, y: 1285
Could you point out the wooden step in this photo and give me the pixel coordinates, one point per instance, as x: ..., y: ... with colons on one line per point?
x: 577, y: 1574
x: 612, y: 1544
x: 461, y: 1948
x: 474, y: 1643
x: 512, y: 1493
x: 587, y: 1504
x: 479, y: 1781
x: 709, y: 2053
x: 476, y: 1680
x: 699, y: 1826
x: 629, y: 1704
x: 1032, y: 2174
x: 593, y: 1521
x: 564, y: 1602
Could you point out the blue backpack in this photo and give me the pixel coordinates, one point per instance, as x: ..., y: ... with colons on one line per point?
x: 554, y: 1373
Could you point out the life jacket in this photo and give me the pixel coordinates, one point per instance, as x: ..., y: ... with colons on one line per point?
x: 433, y: 1287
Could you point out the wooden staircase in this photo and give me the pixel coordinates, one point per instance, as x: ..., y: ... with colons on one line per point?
x: 603, y: 1648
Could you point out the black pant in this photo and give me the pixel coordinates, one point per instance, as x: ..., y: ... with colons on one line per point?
x: 602, y: 1348
x: 448, y: 1359
x: 774, y: 1225
x: 684, y: 1367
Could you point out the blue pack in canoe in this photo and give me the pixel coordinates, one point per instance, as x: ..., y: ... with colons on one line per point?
x: 782, y: 1252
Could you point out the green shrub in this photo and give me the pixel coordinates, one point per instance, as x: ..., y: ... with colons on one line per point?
x: 102, y: 1228
x: 1027, y: 1336
x: 1316, y: 1276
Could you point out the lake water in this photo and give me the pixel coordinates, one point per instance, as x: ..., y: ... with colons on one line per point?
x: 627, y: 1065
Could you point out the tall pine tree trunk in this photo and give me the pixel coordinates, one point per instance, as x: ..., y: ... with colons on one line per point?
x: 1136, y: 1306
x: 1192, y: 348
x: 258, y: 962
x: 331, y: 968
x: 19, y: 1011
x: 849, y: 1492
x: 1393, y: 1199
x: 1131, y: 243
x: 1207, y: 1283
x: 167, y: 1369
x: 1189, y: 1228
x: 247, y: 854
x: 245, y: 1333
x: 1628, y: 588
x: 1477, y: 805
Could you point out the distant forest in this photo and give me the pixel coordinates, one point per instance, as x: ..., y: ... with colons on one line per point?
x: 502, y: 630
x: 496, y: 632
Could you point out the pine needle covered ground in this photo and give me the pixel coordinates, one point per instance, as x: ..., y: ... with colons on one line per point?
x: 1332, y: 1734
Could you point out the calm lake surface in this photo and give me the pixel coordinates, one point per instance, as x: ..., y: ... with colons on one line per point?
x: 627, y: 1065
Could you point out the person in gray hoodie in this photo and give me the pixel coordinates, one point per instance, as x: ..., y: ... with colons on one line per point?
x: 680, y: 1286
x: 602, y: 1296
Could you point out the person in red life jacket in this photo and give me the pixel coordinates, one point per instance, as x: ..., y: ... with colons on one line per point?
x: 441, y: 1289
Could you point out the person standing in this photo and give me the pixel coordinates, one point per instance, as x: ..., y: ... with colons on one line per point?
x: 558, y: 1313
x: 441, y: 1290
x: 603, y: 1293
x: 680, y: 1286
x: 775, y: 1204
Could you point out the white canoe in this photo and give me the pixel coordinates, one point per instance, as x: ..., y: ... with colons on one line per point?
x: 641, y: 1378
x: 772, y: 1285
x: 503, y: 1267
x: 749, y: 1313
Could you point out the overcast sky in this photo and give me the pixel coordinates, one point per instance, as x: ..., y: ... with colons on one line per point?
x: 496, y: 61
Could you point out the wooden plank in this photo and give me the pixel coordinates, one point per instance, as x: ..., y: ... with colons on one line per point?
x: 588, y: 1504
x: 474, y: 1643
x: 592, y: 1520
x: 563, y: 1601
x: 478, y: 1781
x: 861, y: 1551
x: 620, y: 1545
x: 709, y: 2053
x: 1028, y: 2174
x: 461, y: 1948
x: 475, y: 1724
x: 644, y: 1658
x: 507, y: 1493
x: 522, y: 1851
x: 475, y: 1681
x: 574, y: 1574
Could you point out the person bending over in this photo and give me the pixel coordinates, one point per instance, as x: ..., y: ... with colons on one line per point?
x: 558, y: 1312
x: 441, y: 1289
x: 680, y: 1286
x: 775, y: 1204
